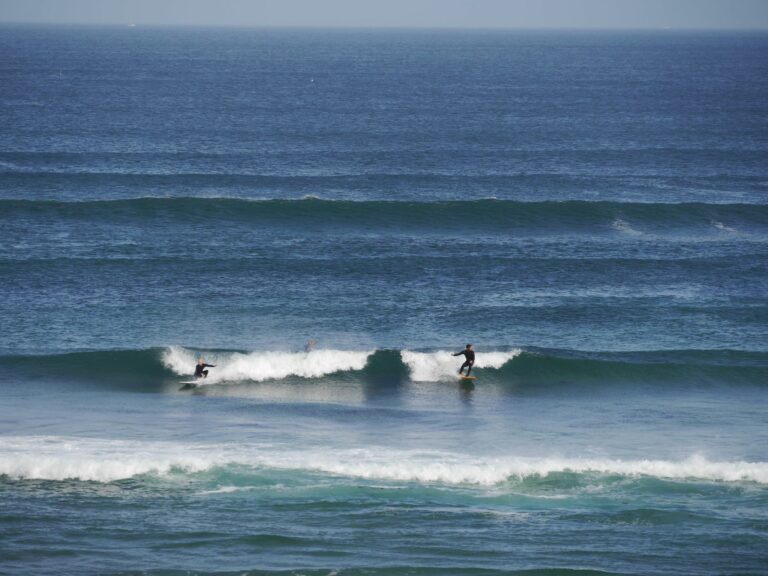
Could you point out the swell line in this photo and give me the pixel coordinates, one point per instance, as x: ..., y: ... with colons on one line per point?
x: 516, y: 367
x: 616, y: 217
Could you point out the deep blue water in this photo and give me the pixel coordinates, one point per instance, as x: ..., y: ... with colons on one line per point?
x: 587, y: 208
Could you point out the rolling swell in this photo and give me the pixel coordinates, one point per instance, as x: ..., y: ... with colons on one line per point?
x: 489, y: 214
x: 697, y: 367
x: 112, y: 367
x: 519, y: 369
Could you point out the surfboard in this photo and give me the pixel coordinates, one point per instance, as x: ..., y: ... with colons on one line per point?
x: 468, y: 377
x: 188, y: 385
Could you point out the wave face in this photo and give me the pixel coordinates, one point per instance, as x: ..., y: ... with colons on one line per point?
x: 608, y: 216
x: 515, y: 367
x: 56, y: 458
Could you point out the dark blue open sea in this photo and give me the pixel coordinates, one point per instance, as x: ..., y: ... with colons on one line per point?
x: 589, y: 209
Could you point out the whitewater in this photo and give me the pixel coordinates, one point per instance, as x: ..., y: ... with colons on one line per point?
x: 260, y: 366
x: 56, y: 458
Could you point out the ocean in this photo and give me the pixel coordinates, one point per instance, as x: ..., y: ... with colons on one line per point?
x: 588, y: 209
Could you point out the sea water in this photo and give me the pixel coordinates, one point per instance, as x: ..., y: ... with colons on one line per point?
x: 587, y: 208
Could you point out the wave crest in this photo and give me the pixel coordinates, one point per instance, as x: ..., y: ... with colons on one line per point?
x: 260, y: 366
x: 592, y: 217
x: 520, y: 368
x: 102, y: 460
x: 441, y: 365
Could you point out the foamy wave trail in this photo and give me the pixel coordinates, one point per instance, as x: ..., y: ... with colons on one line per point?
x: 442, y: 365
x: 101, y: 460
x: 57, y: 458
x: 261, y: 366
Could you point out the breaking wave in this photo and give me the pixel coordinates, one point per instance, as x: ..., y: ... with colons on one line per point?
x: 260, y: 366
x: 441, y: 365
x: 516, y: 367
x: 101, y: 460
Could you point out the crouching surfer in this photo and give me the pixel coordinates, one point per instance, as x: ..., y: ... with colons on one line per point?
x: 200, y: 369
x: 469, y: 359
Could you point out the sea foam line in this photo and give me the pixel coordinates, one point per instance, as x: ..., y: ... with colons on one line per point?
x: 103, y: 460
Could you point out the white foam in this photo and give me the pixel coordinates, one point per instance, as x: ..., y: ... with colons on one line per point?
x: 260, y: 366
x: 224, y: 490
x: 623, y: 227
x: 442, y: 365
x: 723, y: 227
x: 57, y: 458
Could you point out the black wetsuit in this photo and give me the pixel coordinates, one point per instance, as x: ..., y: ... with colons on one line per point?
x: 200, y: 373
x: 469, y: 361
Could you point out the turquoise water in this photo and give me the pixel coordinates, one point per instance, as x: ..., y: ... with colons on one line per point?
x: 588, y: 209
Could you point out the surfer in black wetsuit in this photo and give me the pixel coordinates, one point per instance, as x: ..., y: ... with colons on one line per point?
x: 469, y: 359
x: 199, y: 372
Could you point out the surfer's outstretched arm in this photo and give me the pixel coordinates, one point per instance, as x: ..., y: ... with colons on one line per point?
x: 199, y: 372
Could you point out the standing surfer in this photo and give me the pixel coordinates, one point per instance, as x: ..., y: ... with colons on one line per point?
x: 469, y: 359
x: 199, y: 369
